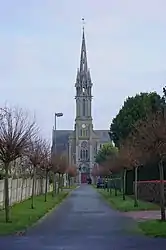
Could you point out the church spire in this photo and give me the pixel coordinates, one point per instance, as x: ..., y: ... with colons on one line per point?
x: 83, y: 59
x: 83, y: 85
x: 83, y: 73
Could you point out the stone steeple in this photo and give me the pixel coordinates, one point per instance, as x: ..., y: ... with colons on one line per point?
x: 83, y: 85
x: 83, y: 73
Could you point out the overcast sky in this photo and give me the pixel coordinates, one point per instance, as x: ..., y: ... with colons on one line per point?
x: 40, y: 52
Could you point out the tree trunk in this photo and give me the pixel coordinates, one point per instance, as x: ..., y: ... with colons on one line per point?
x: 46, y: 184
x: 115, y: 187
x: 59, y: 179
x: 53, y: 185
x: 33, y: 188
x: 22, y: 187
x: 162, y: 197
x: 6, y: 187
x: 107, y: 185
x: 69, y: 181
x: 62, y: 182
x: 110, y: 185
x: 124, y: 184
x: 135, y: 188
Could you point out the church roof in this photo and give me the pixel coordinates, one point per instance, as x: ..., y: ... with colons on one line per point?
x: 62, y: 137
x: 103, y: 135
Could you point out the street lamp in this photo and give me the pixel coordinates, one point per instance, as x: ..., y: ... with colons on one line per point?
x: 56, y: 115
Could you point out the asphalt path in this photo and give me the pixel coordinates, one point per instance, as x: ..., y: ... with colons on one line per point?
x: 84, y: 221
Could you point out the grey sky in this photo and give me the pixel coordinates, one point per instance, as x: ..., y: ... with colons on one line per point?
x: 40, y: 52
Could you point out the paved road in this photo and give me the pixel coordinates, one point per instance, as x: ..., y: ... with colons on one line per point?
x: 83, y: 221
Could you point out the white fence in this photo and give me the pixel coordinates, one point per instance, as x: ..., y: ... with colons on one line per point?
x: 20, y: 189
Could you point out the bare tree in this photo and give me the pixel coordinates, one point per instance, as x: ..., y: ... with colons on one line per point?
x: 112, y: 167
x: 62, y: 169
x: 25, y: 172
x: 35, y: 156
x: 72, y: 172
x: 16, y: 132
x: 95, y: 173
x: 150, y: 136
x: 46, y: 164
x: 55, y: 160
x: 130, y: 158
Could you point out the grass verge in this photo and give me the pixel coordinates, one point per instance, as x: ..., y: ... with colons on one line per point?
x: 23, y: 216
x: 118, y: 203
x: 71, y: 187
x: 155, y: 228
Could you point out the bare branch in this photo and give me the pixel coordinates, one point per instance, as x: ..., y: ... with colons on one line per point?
x: 150, y: 137
x: 16, y: 131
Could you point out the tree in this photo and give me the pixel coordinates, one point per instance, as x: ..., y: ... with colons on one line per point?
x: 45, y: 164
x: 124, y: 162
x: 35, y: 156
x: 72, y: 172
x: 62, y: 169
x: 106, y: 150
x: 95, y: 172
x: 134, y: 109
x: 55, y: 159
x: 130, y: 158
x: 16, y: 131
x: 150, y: 136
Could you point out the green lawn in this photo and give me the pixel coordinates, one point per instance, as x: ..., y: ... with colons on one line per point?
x: 23, y: 216
x: 155, y: 228
x: 117, y: 202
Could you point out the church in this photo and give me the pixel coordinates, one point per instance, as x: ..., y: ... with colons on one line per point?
x: 82, y: 143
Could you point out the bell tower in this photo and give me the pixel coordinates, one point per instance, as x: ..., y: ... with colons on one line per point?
x: 83, y: 120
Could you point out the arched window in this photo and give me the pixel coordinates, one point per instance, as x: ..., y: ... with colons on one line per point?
x: 86, y: 155
x: 84, y: 107
x: 81, y: 154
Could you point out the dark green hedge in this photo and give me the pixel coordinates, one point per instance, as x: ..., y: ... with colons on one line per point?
x: 148, y: 172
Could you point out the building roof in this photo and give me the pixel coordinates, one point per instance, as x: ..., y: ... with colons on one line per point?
x: 103, y: 135
x: 62, y: 137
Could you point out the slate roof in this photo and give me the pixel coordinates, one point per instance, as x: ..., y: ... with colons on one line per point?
x: 62, y: 137
x: 103, y: 135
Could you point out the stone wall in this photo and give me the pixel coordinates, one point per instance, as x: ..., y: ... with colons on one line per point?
x: 150, y: 190
x: 20, y: 189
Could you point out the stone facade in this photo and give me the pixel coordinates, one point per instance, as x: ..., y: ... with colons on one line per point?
x: 82, y: 144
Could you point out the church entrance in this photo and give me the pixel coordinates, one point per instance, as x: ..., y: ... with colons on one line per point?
x: 84, y: 177
x: 84, y: 169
